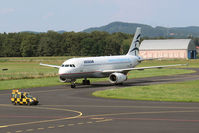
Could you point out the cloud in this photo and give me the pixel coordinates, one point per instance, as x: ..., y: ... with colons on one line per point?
x: 4, y: 11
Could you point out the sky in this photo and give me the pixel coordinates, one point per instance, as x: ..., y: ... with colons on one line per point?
x: 77, y: 15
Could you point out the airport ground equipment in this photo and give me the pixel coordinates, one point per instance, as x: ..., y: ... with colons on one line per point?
x: 22, y: 98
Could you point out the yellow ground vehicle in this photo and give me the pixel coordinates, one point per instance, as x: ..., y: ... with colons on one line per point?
x: 25, y: 98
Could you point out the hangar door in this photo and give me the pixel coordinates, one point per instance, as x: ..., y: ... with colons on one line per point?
x: 192, y: 54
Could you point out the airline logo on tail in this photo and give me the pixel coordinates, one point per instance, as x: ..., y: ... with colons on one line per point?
x: 134, y: 49
x: 137, y: 42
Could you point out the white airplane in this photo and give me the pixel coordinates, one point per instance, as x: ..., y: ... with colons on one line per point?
x: 114, y: 67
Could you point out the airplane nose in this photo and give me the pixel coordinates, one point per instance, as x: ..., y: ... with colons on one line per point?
x: 61, y: 71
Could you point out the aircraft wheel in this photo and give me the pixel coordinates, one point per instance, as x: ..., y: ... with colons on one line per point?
x: 73, y: 85
x: 88, y: 82
x: 84, y: 82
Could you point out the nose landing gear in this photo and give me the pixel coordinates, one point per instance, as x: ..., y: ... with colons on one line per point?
x: 73, y: 85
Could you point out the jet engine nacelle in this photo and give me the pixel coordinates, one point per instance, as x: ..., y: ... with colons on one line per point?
x: 117, y: 78
x: 65, y: 80
x: 62, y: 79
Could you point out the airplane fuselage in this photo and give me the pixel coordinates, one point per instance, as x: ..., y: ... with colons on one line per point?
x: 114, y: 67
x: 92, y: 67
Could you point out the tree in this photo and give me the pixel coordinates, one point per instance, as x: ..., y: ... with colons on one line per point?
x: 28, y: 44
x: 11, y: 45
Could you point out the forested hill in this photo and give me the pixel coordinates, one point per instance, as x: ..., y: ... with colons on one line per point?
x: 148, y: 31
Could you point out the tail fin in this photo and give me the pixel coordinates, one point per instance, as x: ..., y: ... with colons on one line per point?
x: 134, y: 48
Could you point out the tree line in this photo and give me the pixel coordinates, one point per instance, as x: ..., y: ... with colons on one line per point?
x: 97, y: 43
x: 65, y: 44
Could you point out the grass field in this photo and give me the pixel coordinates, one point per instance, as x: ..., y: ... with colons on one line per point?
x: 29, y: 83
x: 28, y: 67
x: 26, y: 72
x: 179, y: 92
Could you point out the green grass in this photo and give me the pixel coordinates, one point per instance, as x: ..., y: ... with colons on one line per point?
x: 179, y: 92
x: 29, y: 73
x: 192, y: 63
x: 29, y: 83
x: 157, y: 72
x: 26, y: 68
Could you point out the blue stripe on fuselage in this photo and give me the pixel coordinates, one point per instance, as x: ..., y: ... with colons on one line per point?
x: 119, y: 60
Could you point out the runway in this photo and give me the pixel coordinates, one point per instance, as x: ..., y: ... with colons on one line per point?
x: 63, y: 109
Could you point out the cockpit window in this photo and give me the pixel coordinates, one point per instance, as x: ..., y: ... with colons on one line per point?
x: 68, y: 65
x: 28, y: 96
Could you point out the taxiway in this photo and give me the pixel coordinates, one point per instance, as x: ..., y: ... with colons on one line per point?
x: 63, y: 109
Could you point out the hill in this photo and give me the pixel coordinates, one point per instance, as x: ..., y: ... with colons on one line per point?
x: 147, y: 30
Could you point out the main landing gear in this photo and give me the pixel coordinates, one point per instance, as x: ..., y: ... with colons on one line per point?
x: 84, y: 82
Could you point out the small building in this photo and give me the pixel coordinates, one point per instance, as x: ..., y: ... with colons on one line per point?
x: 197, y: 49
x: 168, y: 48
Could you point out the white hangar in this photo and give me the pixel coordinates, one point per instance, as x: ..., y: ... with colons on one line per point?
x: 168, y: 48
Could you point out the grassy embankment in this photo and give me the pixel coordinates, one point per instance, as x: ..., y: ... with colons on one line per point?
x: 26, y: 72
x: 179, y: 92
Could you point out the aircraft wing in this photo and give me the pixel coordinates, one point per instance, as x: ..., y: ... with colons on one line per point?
x: 141, y: 59
x: 49, y: 65
x: 141, y: 68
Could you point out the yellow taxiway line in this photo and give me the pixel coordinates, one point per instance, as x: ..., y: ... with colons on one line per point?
x: 42, y: 121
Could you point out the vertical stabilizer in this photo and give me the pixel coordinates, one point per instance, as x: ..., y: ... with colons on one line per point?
x: 134, y: 48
